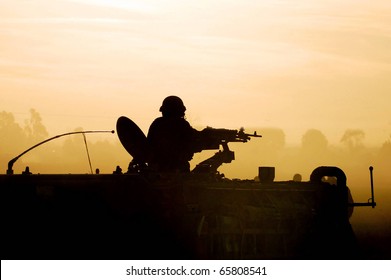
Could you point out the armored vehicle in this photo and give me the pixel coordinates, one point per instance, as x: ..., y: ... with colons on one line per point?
x: 143, y: 214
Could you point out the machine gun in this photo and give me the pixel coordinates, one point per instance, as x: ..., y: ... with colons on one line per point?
x: 211, y: 139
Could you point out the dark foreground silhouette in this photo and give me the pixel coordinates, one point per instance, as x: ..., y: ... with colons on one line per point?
x: 172, y: 216
x: 159, y: 209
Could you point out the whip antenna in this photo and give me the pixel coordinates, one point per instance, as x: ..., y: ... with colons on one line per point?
x: 12, y: 161
x: 88, y: 153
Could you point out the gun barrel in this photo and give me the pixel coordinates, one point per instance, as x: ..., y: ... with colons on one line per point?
x: 244, y: 137
x: 255, y: 134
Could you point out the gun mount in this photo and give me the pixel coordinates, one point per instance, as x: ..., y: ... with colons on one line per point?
x: 214, y: 138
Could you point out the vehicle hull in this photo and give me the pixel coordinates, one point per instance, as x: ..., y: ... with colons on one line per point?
x: 171, y: 216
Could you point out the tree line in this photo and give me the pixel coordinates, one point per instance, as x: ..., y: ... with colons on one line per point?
x: 69, y: 155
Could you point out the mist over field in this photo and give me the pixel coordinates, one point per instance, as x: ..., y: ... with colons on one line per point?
x: 68, y: 155
x: 312, y: 77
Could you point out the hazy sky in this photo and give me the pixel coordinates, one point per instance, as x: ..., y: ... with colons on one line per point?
x: 293, y: 64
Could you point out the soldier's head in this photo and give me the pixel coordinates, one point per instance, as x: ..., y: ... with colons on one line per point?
x: 173, y: 107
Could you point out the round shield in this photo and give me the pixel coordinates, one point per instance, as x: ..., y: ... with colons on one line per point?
x: 132, y: 139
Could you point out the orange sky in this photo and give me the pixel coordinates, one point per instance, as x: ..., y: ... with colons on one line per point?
x: 295, y: 65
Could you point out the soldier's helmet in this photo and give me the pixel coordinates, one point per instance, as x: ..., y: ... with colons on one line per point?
x: 173, y: 106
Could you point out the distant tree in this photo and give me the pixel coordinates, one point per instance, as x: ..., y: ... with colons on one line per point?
x: 385, y: 150
x: 314, y: 141
x: 12, y: 135
x: 353, y: 139
x: 273, y: 138
x: 34, y: 129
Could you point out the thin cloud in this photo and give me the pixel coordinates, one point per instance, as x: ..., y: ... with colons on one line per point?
x: 62, y: 20
x: 139, y: 6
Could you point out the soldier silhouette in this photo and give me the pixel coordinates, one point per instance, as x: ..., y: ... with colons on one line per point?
x: 171, y: 140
